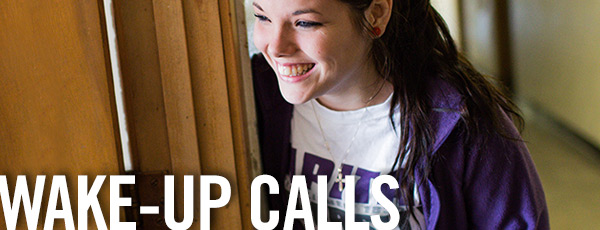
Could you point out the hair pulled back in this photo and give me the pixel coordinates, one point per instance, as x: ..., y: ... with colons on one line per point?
x: 416, y: 47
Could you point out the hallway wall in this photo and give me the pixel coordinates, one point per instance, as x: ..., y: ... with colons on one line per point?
x: 556, y: 60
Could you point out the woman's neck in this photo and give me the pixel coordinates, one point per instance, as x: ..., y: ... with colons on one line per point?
x: 372, y: 93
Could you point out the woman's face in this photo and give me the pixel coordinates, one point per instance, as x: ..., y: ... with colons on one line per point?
x: 313, y: 46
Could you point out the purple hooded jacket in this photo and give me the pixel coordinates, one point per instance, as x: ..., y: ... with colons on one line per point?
x: 496, y: 187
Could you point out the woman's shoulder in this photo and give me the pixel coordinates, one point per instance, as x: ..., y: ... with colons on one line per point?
x: 463, y: 149
x: 446, y: 105
x: 494, y: 166
x: 444, y: 97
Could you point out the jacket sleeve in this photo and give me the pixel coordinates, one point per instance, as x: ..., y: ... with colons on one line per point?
x: 273, y: 121
x: 501, y: 187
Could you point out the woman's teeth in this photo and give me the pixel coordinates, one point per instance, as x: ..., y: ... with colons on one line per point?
x: 294, y: 70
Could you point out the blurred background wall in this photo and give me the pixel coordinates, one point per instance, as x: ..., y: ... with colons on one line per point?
x: 556, y: 47
x: 547, y: 52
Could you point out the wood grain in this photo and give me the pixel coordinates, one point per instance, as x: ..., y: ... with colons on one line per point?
x: 142, y: 85
x: 58, y: 114
x: 185, y: 95
x: 241, y: 101
x: 177, y: 94
x: 211, y: 103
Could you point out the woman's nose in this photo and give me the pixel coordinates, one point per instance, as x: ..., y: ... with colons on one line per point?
x: 282, y: 43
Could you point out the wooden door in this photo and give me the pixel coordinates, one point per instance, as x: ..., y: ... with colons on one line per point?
x: 57, y: 110
x: 189, y: 107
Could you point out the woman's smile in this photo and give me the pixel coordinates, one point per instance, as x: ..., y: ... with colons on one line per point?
x: 294, y: 72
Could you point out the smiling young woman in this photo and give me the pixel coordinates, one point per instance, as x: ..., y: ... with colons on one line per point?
x: 317, y: 51
x: 377, y: 87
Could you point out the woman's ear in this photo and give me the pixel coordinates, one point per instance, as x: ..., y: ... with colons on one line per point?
x: 378, y: 14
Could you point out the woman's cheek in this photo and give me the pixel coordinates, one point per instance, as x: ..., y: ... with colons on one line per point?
x: 259, y: 38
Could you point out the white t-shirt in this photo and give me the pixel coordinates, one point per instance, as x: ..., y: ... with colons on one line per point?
x: 371, y: 154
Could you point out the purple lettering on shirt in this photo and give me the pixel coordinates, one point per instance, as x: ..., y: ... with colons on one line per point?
x: 335, y: 193
x: 363, y: 184
x: 311, y: 161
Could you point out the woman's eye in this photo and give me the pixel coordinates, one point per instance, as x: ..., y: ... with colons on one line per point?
x: 306, y: 24
x: 262, y: 18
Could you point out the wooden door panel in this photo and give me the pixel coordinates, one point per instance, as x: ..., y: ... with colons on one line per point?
x: 57, y: 111
x: 184, y: 90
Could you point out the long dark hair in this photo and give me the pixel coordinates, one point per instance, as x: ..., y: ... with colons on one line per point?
x: 415, y: 48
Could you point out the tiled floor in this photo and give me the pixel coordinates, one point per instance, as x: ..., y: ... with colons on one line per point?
x: 570, y: 174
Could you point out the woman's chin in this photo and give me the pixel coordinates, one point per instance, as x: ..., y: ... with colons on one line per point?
x: 294, y: 97
x: 294, y: 93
